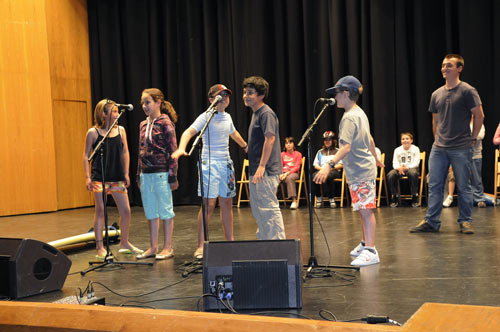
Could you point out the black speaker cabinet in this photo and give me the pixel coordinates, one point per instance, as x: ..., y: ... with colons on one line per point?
x: 30, y: 267
x: 252, y: 274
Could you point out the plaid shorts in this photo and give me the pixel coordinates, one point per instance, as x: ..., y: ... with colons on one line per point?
x: 111, y: 187
x: 363, y: 195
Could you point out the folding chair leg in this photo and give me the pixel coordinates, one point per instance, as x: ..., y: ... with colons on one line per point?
x: 239, y: 195
x: 283, y: 194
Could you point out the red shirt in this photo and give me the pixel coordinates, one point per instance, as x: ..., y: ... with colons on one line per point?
x: 291, y: 161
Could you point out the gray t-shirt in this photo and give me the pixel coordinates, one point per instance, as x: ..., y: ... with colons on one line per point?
x: 264, y: 121
x: 216, y: 136
x: 453, y: 113
x: 359, y: 163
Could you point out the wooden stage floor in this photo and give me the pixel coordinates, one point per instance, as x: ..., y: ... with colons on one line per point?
x: 447, y: 267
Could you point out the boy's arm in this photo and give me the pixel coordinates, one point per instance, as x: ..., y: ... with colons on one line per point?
x: 185, y: 138
x: 325, y: 169
x: 374, y: 153
x: 266, y: 153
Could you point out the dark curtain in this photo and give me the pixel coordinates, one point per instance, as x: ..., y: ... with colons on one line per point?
x: 301, y: 47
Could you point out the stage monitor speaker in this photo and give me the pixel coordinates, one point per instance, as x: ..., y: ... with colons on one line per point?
x: 252, y: 274
x: 30, y: 267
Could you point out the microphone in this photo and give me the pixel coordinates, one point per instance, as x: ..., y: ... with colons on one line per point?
x: 128, y: 107
x: 329, y: 101
x: 216, y: 100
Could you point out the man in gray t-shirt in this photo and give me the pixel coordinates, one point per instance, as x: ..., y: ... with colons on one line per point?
x: 264, y: 157
x: 452, y: 106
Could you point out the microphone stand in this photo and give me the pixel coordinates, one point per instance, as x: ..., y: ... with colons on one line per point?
x: 313, y: 262
x: 108, y: 259
x: 196, y: 265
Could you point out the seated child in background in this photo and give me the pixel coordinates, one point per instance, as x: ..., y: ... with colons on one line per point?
x: 291, y: 160
x: 405, y: 162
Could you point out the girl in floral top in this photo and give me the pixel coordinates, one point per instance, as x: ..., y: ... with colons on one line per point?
x: 157, y: 171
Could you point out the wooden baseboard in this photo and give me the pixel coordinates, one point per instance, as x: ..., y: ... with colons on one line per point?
x: 454, y: 317
x: 51, y: 317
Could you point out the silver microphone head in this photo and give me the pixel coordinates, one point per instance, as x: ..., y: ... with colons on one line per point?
x: 329, y: 101
x: 128, y: 107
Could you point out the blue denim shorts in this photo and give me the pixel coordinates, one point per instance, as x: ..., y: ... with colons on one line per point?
x: 218, y: 179
x: 156, y: 196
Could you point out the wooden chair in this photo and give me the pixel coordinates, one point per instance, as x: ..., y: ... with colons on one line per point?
x: 421, y: 178
x: 301, y: 181
x: 382, y: 182
x: 496, y: 178
x: 343, y: 188
x: 243, y: 182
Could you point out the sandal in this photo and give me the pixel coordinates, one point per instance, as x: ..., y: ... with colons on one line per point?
x: 198, y: 254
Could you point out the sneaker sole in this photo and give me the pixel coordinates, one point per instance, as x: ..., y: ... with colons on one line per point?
x: 365, y: 264
x: 424, y: 230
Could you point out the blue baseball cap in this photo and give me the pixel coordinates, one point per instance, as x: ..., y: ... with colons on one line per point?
x: 347, y: 82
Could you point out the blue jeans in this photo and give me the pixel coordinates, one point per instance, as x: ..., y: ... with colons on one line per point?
x: 439, y: 162
x: 477, y: 181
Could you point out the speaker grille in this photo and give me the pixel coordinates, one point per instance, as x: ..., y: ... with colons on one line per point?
x: 42, y: 268
x: 260, y: 284
x: 262, y: 274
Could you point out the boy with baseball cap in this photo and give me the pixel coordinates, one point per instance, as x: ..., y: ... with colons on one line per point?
x: 357, y: 152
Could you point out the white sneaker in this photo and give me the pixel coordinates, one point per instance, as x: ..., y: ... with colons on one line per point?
x: 356, y: 251
x: 319, y: 202
x: 293, y: 206
x: 447, y: 202
x: 366, y: 258
x: 332, y: 203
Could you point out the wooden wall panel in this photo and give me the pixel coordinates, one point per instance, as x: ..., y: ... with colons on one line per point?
x: 68, y: 40
x: 70, y: 126
x: 68, y: 44
x: 45, y: 102
x: 27, y: 161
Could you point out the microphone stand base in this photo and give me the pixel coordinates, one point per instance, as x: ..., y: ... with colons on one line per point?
x: 110, y: 261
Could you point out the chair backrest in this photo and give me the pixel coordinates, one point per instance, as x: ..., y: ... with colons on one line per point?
x: 244, y: 170
x: 301, y: 175
x: 382, y: 183
x: 382, y: 159
x: 422, y: 163
x: 497, y: 171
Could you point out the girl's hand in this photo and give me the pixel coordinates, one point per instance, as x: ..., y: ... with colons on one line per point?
x: 88, y: 184
x: 127, y: 181
x: 174, y: 186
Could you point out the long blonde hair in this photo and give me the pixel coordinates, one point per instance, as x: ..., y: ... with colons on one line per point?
x: 166, y: 107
